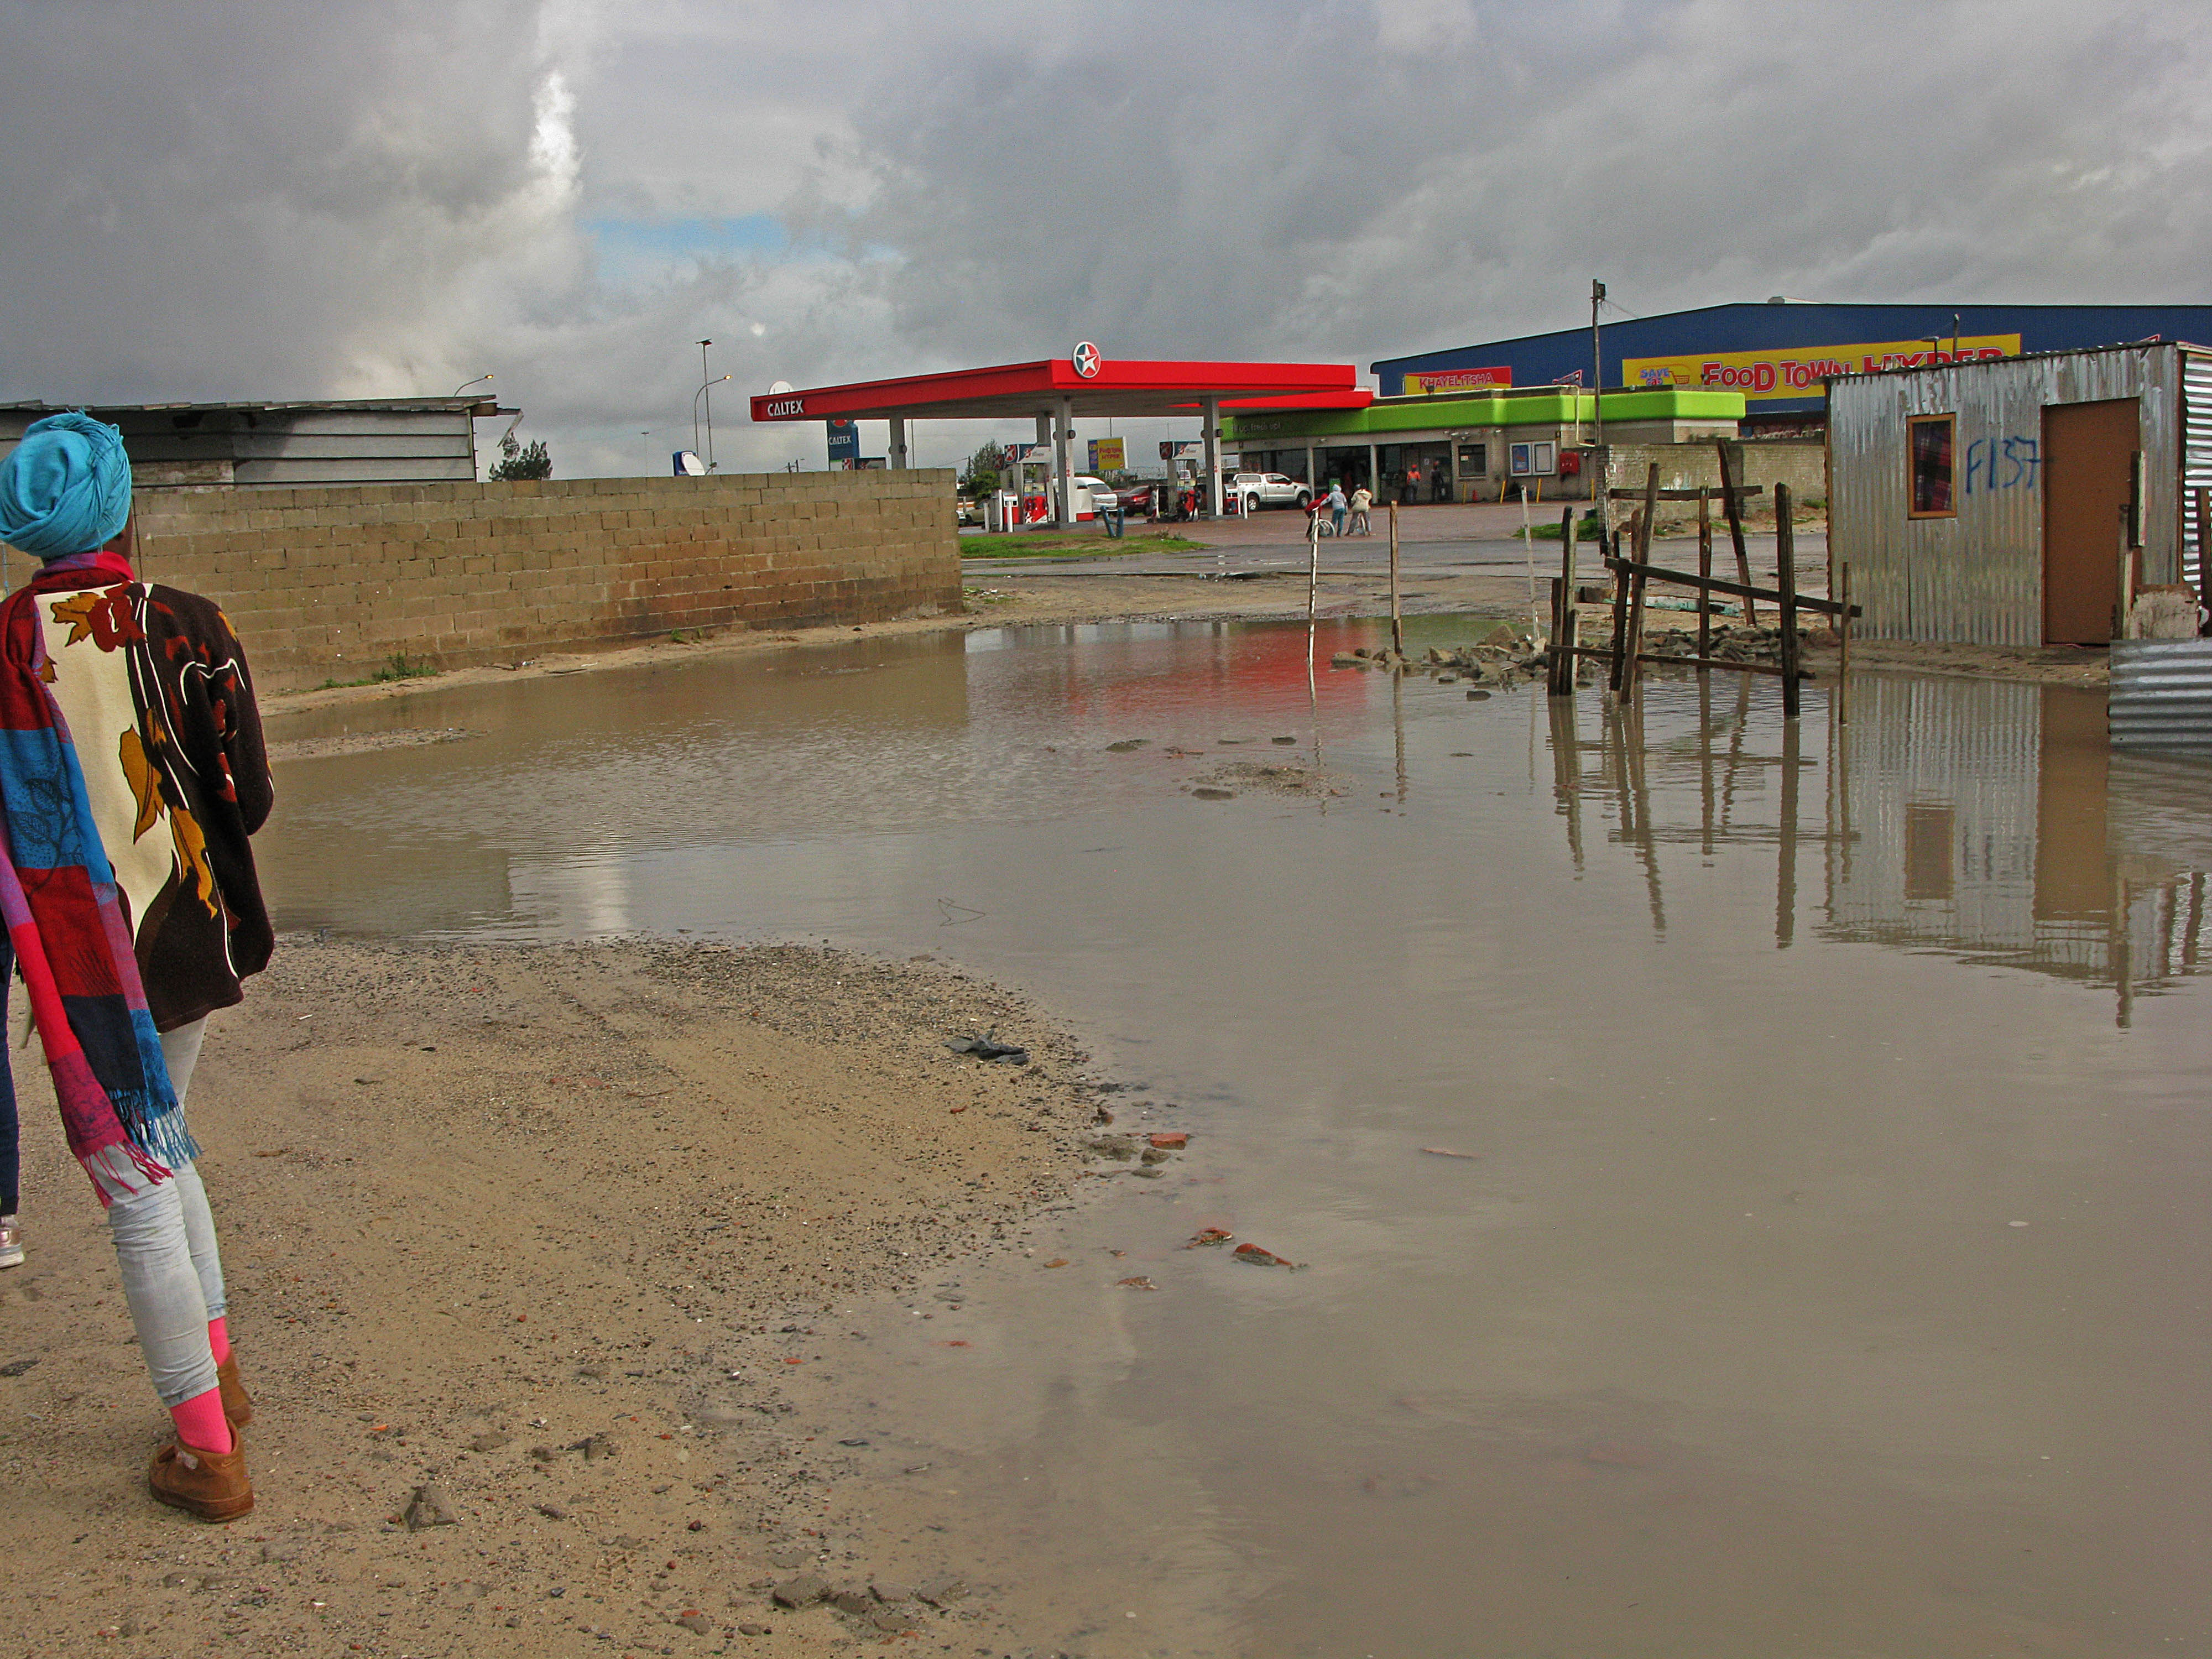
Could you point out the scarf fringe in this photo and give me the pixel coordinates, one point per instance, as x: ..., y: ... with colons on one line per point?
x: 157, y: 1130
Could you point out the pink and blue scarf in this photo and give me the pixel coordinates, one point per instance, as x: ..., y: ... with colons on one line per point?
x: 64, y: 918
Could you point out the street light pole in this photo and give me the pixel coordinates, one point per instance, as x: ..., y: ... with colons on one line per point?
x: 702, y: 393
x: 465, y: 385
x: 1597, y: 361
x: 703, y: 384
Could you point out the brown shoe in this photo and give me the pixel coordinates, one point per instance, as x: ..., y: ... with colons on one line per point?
x: 237, y: 1404
x: 214, y: 1487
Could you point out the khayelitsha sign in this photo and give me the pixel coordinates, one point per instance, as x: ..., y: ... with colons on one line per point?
x: 1797, y: 371
x: 1458, y: 379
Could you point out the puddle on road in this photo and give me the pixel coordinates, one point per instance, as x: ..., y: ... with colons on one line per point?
x: 1726, y: 1336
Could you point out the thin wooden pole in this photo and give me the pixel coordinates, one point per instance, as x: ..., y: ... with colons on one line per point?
x: 1397, y: 623
x: 1620, y: 581
x: 1559, y: 679
x: 1785, y: 547
x: 1733, y: 506
x: 1705, y: 570
x: 1313, y: 575
x: 1632, y: 670
x: 1528, y: 554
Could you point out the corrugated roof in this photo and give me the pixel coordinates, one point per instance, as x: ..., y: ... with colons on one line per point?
x: 477, y: 406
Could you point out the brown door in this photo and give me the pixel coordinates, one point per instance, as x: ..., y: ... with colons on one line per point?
x: 2089, y: 457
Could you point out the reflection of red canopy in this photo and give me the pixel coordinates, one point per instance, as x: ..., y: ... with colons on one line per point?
x: 1127, y: 388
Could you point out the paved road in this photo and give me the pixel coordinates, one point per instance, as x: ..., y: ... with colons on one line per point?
x: 1432, y: 542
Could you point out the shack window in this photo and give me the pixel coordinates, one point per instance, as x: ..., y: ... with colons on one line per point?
x: 1929, y: 443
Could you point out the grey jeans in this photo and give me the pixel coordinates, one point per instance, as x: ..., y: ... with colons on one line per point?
x: 165, y: 1250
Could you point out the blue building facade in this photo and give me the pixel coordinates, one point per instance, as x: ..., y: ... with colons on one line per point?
x: 1777, y: 354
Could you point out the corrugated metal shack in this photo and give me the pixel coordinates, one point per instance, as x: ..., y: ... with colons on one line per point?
x: 373, y: 440
x: 1983, y: 501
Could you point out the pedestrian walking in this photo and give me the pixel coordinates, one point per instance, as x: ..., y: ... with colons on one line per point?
x: 131, y: 776
x: 1336, y: 507
x: 1362, y: 499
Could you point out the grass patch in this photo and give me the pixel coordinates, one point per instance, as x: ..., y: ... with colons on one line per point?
x: 1586, y: 530
x: 1073, y: 547
x: 397, y: 667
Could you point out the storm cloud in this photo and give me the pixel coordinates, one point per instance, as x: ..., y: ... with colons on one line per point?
x: 212, y: 201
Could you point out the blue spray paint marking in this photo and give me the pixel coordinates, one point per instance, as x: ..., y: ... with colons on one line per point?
x: 2004, y: 463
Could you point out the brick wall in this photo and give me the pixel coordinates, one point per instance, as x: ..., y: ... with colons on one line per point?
x: 327, y: 583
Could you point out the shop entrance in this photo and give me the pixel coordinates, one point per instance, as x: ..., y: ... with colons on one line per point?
x: 2088, y: 465
x: 1346, y: 466
x: 1416, y: 473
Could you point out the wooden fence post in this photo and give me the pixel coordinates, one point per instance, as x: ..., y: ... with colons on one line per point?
x: 1559, y: 671
x: 1705, y: 570
x: 1733, y: 506
x: 1397, y: 623
x: 1614, y: 681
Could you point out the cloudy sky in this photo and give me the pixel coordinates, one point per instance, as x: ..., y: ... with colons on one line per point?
x: 206, y: 200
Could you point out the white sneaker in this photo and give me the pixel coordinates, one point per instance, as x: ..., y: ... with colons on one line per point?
x: 11, y: 1242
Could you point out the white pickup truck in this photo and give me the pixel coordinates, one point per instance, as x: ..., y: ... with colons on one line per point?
x: 1252, y: 490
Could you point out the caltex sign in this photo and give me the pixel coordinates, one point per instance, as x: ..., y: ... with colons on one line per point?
x: 1087, y: 360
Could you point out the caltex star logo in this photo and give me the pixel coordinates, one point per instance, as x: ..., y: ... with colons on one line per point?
x: 1087, y: 360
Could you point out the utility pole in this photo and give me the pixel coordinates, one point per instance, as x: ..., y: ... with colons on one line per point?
x: 1597, y: 358
x: 703, y: 384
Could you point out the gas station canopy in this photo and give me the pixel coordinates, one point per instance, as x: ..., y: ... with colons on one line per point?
x: 1059, y: 387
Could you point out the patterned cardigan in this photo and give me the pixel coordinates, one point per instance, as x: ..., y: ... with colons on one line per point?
x: 160, y: 703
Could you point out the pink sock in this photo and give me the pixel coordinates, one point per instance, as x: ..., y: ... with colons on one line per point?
x: 200, y: 1422
x: 219, y: 1339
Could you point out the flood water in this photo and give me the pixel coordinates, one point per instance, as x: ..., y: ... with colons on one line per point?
x: 1824, y: 1272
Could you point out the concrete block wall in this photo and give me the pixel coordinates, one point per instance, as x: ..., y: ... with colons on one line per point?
x: 1803, y: 466
x: 329, y: 584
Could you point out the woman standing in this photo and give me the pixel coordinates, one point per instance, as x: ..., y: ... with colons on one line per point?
x: 131, y: 774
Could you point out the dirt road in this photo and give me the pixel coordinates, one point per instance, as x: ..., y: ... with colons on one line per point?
x: 542, y: 1230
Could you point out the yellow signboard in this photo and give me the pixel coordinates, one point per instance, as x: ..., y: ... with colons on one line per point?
x: 1109, y: 455
x: 1797, y: 371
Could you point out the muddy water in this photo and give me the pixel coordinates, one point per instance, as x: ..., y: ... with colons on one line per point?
x: 1822, y: 1268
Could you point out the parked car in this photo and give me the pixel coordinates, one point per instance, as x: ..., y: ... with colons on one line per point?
x: 1254, y: 490
x: 1137, y: 497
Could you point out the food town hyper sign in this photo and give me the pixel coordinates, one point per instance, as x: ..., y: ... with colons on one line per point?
x: 1797, y: 371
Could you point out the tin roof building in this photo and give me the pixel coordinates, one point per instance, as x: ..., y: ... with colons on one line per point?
x: 368, y: 441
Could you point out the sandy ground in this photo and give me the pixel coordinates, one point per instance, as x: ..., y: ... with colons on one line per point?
x: 543, y: 1230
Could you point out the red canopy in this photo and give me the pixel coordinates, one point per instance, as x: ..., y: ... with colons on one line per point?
x: 1123, y: 388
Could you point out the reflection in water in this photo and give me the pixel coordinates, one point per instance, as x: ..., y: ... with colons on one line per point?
x: 1724, y: 1336
x: 1988, y: 820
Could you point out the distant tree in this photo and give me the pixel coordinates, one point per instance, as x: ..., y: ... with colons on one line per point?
x: 979, y: 475
x: 520, y: 460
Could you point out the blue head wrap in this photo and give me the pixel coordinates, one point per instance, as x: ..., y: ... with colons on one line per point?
x: 65, y: 487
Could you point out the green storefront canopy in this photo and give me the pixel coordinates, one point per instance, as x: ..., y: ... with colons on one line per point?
x: 1549, y: 406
